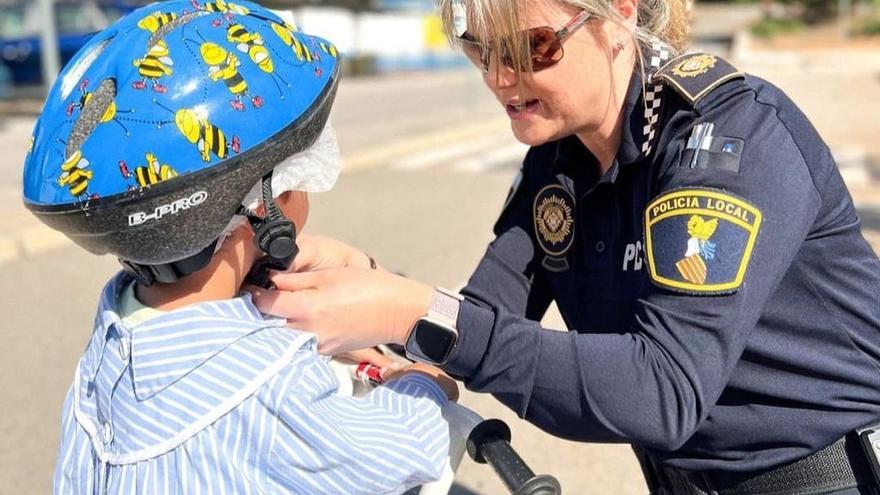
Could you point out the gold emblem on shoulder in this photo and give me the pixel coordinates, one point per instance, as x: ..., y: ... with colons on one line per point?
x: 695, y: 66
x: 553, y: 217
x: 699, y: 249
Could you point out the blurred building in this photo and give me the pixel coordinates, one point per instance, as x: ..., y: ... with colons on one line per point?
x: 377, y: 35
x: 372, y: 35
x: 75, y: 22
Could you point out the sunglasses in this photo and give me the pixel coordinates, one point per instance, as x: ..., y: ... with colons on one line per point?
x: 545, y: 45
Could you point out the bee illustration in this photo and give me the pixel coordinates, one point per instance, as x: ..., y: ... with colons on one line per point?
x: 75, y: 174
x: 150, y: 174
x: 156, y: 20
x: 208, y: 138
x: 221, y: 7
x: 286, y: 33
x: 223, y: 65
x: 86, y: 98
x: 252, y: 44
x: 330, y: 49
x: 155, y: 64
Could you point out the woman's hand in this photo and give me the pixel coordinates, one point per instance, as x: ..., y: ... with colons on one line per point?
x: 322, y: 253
x: 348, y: 308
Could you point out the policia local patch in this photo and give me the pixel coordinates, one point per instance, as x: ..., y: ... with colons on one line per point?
x: 699, y: 241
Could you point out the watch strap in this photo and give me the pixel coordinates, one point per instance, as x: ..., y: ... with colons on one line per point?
x: 445, y: 305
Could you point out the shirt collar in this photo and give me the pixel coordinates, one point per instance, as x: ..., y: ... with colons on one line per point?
x: 167, y: 347
x: 106, y: 321
x: 633, y: 133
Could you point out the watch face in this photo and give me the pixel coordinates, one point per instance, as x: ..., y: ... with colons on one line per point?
x: 431, y: 341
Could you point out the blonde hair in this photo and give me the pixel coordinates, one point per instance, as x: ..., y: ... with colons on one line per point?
x: 665, y: 21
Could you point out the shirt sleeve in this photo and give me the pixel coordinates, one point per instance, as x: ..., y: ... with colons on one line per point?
x: 74, y: 467
x: 389, y: 440
x: 508, y: 276
x: 654, y: 382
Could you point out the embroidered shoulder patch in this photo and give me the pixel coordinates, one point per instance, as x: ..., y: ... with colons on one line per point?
x: 699, y: 241
x: 694, y: 76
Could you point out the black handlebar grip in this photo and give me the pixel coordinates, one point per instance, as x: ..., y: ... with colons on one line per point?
x: 489, y: 443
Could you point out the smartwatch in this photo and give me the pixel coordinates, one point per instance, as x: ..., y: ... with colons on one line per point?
x: 435, y: 335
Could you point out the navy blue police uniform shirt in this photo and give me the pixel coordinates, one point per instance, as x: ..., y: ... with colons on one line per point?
x: 724, y: 308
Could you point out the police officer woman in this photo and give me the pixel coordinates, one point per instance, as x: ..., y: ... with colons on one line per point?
x: 696, y: 235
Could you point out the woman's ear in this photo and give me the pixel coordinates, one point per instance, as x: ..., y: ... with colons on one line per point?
x: 629, y: 12
x: 620, y: 34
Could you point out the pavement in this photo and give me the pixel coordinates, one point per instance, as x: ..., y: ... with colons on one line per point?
x: 428, y: 160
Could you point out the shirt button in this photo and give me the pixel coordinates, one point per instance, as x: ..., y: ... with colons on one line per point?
x: 123, y: 348
x: 106, y: 433
x: 600, y: 247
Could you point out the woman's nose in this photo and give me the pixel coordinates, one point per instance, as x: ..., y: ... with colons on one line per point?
x: 499, y: 77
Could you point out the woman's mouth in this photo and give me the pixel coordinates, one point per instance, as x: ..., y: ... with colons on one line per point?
x: 521, y: 110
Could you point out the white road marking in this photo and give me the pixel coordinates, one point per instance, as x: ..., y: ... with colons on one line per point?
x: 389, y: 153
x: 500, y: 156
x: 450, y: 154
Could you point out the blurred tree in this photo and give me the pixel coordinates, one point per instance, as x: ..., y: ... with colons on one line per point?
x: 809, y: 11
x: 815, y: 10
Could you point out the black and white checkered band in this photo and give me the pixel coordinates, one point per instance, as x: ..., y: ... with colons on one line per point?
x: 660, y: 54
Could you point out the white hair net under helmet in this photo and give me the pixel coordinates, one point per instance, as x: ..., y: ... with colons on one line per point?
x: 314, y: 170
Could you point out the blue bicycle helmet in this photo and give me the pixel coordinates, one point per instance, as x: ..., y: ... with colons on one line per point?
x: 158, y: 128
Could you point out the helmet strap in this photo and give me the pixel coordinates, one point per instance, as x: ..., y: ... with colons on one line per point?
x: 168, y: 273
x: 274, y: 235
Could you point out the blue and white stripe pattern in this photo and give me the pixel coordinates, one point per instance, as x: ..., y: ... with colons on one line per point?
x: 213, y: 398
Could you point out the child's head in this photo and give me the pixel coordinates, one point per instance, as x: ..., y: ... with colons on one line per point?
x: 313, y: 170
x: 175, y: 124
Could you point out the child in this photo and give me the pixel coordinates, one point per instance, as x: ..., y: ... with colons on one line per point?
x: 184, y: 386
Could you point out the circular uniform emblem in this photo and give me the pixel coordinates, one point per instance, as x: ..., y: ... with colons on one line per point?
x: 695, y: 66
x: 554, y: 221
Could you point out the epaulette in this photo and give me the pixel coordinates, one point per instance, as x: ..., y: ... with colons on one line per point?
x: 695, y: 75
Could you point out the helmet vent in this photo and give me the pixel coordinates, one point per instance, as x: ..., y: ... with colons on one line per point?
x: 176, y: 23
x: 91, y: 115
x: 75, y: 74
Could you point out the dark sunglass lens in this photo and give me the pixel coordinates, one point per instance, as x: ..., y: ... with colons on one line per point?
x: 541, y: 36
x: 545, y: 47
x: 506, y: 57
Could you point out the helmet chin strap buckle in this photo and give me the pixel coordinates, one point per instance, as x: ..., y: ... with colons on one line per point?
x: 274, y: 235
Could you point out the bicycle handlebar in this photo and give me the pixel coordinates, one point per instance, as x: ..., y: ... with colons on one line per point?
x: 489, y: 443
